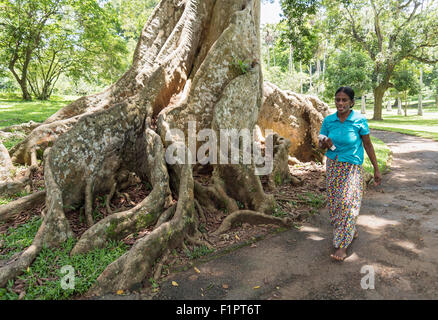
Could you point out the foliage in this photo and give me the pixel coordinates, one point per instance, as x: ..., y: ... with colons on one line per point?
x: 44, y: 39
x: 302, y: 30
x: 242, y: 65
x: 285, y: 80
x: 405, y: 80
x: 347, y: 68
x: 387, y: 31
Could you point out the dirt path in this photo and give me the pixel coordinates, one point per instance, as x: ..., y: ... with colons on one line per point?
x: 398, y: 239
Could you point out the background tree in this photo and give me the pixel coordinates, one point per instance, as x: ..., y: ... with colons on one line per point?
x: 388, y: 31
x: 345, y: 68
x: 45, y: 38
x: 431, y: 80
x: 406, y: 82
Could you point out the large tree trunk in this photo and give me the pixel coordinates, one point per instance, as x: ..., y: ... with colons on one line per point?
x: 378, y: 101
x: 183, y: 70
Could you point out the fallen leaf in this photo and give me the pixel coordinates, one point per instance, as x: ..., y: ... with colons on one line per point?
x: 174, y: 283
x: 237, y: 237
x: 225, y: 286
x: 119, y: 292
x: 256, y: 287
x: 197, y: 270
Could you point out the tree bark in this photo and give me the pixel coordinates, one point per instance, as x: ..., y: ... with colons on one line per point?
x: 378, y: 101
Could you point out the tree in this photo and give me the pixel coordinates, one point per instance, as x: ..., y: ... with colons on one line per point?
x: 303, y: 30
x: 196, y: 62
x: 406, y: 82
x: 352, y: 69
x: 431, y: 80
x: 45, y: 38
x: 388, y: 31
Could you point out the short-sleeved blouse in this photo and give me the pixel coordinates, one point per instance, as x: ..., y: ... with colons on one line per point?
x: 346, y: 136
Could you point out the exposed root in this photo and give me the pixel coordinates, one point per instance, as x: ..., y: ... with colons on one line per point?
x: 53, y: 231
x: 166, y: 215
x: 8, y: 211
x: 13, y: 187
x: 200, y: 212
x: 15, y: 266
x: 145, y: 214
x: 130, y: 269
x: 251, y: 217
x: 280, y: 172
x: 89, y: 203
x: 214, y: 196
x: 109, y: 198
x: 160, y: 264
x: 24, y: 127
x: 198, y: 242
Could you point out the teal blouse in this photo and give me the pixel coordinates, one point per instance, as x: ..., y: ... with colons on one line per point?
x: 346, y: 136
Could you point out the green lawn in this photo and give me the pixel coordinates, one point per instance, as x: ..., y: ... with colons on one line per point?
x: 425, y: 126
x: 15, y: 111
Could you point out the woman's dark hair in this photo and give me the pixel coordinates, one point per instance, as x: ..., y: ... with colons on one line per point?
x: 348, y: 91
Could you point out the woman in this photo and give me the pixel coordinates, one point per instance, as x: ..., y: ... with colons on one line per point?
x: 345, y: 134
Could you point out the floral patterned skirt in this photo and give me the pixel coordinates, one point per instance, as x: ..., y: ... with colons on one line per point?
x: 344, y: 196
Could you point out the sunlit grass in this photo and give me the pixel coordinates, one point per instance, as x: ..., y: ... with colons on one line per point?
x: 14, y: 111
x: 382, y: 154
x: 425, y: 126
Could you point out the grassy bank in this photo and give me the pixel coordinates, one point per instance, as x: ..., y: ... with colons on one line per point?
x: 383, y: 154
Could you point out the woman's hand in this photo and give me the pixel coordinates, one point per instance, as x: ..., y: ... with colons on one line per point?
x: 377, y: 177
x: 325, y: 143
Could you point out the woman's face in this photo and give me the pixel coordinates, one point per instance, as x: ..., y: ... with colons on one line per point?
x: 343, y: 102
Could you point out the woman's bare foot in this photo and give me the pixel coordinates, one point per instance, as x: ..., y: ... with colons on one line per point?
x: 340, y: 254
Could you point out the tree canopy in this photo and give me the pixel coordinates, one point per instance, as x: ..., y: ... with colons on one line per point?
x: 387, y: 31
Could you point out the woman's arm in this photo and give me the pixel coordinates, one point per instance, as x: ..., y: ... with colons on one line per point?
x: 372, y: 155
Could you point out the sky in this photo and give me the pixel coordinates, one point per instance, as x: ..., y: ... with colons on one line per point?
x: 270, y: 13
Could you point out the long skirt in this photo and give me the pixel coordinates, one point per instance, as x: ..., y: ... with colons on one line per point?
x: 344, y: 196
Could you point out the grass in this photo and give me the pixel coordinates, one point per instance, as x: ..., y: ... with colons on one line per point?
x: 43, y: 279
x: 314, y: 200
x: 382, y: 154
x: 14, y: 111
x: 425, y: 126
x: 198, y: 252
x: 19, y: 238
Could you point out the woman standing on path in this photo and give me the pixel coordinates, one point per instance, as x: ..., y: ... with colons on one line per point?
x: 345, y: 134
